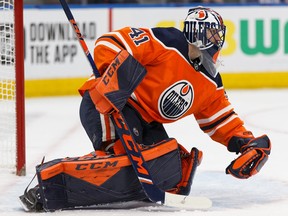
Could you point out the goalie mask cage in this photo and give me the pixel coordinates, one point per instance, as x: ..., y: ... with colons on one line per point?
x: 12, y: 111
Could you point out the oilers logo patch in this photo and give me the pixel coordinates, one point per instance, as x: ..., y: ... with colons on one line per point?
x: 176, y: 100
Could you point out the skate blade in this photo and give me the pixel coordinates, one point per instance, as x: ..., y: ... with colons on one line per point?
x: 24, y: 203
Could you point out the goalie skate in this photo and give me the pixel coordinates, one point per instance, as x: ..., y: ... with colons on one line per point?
x: 30, y: 200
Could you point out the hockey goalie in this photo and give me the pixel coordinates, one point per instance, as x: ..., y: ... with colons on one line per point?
x: 152, y: 76
x: 106, y: 174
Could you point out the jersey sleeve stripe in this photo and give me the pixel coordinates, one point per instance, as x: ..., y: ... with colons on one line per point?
x: 216, y: 115
x: 210, y: 133
x: 210, y: 126
x: 108, y: 44
x: 128, y: 48
x: 114, y: 39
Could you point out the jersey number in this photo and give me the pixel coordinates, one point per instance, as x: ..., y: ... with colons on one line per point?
x: 137, y: 36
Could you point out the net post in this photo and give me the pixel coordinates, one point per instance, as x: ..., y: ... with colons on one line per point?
x: 20, y: 90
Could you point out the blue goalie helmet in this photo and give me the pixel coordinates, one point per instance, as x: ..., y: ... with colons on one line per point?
x: 205, y: 28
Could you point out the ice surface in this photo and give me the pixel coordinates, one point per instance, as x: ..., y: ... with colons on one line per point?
x: 53, y: 130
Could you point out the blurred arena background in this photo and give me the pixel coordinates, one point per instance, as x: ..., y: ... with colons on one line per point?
x: 254, y: 55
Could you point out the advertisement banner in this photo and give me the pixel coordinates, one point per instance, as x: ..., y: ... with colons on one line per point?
x: 51, y: 47
x: 256, y: 45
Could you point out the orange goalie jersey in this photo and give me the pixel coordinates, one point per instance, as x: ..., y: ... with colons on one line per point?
x: 172, y: 88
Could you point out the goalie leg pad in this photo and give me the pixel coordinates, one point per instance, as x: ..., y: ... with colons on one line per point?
x: 193, y: 161
x: 190, y: 162
x: 69, y: 183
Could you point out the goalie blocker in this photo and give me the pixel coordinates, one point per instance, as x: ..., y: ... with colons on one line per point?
x: 111, y: 91
x: 80, y: 182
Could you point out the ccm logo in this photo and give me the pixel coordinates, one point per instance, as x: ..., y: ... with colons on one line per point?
x: 98, y: 165
x: 78, y: 33
x: 111, y: 70
x: 129, y: 144
x: 134, y: 152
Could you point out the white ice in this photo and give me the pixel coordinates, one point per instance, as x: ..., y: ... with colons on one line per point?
x: 53, y: 130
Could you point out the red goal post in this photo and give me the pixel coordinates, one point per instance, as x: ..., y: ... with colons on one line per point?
x: 12, y: 95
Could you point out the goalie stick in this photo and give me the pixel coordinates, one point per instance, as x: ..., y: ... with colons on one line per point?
x: 153, y: 193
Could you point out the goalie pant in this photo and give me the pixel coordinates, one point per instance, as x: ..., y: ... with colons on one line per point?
x: 79, y: 182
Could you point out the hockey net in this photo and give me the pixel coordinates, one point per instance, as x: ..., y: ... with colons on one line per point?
x: 12, y: 138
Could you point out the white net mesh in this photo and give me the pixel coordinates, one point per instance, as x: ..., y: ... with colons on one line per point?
x: 7, y: 86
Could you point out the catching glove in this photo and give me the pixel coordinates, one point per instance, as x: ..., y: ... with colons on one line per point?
x: 253, y: 156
